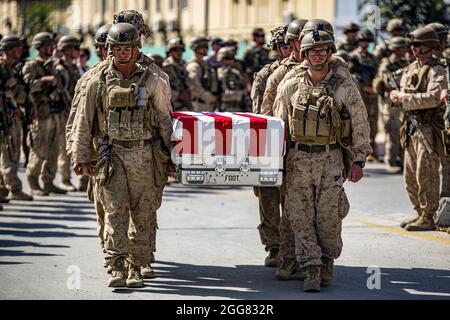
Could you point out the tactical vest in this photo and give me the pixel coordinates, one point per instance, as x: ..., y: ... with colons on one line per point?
x: 233, y: 84
x: 209, y: 78
x: 315, y: 118
x: 416, y: 82
x: 126, y: 112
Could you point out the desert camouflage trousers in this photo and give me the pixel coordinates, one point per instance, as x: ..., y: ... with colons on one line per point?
x: 43, y: 141
x: 421, y: 173
x: 315, y: 206
x: 63, y: 158
x: 10, y: 156
x: 445, y: 171
x: 127, y: 201
x: 371, y: 103
x: 393, y: 150
x: 269, y: 213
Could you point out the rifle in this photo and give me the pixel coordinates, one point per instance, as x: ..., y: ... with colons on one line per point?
x: 61, y: 101
x: 5, y: 124
x: 415, y: 126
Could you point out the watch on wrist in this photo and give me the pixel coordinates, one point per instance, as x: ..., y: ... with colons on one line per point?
x: 361, y: 164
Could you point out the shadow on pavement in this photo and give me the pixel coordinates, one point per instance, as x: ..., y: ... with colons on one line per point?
x: 15, y: 243
x: 17, y: 225
x: 44, y: 234
x: 21, y: 253
x: 258, y: 282
x: 55, y: 218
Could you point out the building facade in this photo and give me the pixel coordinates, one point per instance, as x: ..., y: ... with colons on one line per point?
x: 167, y: 18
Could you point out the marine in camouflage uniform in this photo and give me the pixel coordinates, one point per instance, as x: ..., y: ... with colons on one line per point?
x: 388, y: 79
x: 175, y: 68
x: 349, y: 43
x: 257, y: 56
x: 277, y: 43
x: 364, y: 69
x: 269, y: 197
x: 136, y: 19
x: 420, y: 89
x: 39, y: 74
x: 102, y: 52
x: 396, y: 28
x: 125, y: 173
x: 68, y: 74
x: 202, y: 78
x: 292, y: 37
x: 442, y: 32
x: 328, y: 139
x: 14, y: 95
x: 231, y: 82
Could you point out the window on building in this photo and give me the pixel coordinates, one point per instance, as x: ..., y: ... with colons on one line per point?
x: 171, y: 5
x: 184, y: 4
x: 158, y: 5
x: 249, y: 2
x: 145, y: 5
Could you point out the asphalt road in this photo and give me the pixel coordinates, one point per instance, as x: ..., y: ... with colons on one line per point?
x: 208, y: 248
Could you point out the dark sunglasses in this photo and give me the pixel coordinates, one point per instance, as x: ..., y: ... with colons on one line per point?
x: 416, y: 44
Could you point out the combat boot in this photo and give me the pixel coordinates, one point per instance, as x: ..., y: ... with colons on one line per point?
x: 312, y: 281
x: 1, y: 207
x: 134, y: 279
x: 271, y: 259
x: 326, y: 272
x: 147, y: 272
x: 3, y: 199
x: 68, y: 186
x: 51, y: 188
x: 404, y: 223
x: 118, y: 274
x: 35, y: 189
x: 286, y: 269
x: 3, y: 192
x: 19, y: 195
x: 425, y: 223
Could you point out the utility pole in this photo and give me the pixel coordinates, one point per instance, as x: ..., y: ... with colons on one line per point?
x: 179, y: 18
x: 24, y: 16
x: 206, y: 18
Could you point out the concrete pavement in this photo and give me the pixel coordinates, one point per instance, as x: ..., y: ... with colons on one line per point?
x: 208, y: 248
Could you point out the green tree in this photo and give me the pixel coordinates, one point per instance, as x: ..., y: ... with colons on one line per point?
x: 414, y: 13
x: 38, y: 18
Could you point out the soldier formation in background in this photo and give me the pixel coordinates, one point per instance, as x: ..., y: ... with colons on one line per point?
x: 329, y: 93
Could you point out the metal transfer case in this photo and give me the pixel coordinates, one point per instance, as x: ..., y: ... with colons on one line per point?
x: 228, y: 149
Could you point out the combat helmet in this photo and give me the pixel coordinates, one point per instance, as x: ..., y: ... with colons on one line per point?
x: 395, y: 24
x: 136, y: 19
x: 199, y: 42
x: 319, y: 24
x: 101, y: 35
x: 294, y: 29
x: 67, y: 42
x: 397, y: 42
x: 225, y: 53
x: 425, y: 36
x: 440, y: 29
x: 123, y: 34
x: 42, y: 38
x: 175, y: 43
x: 366, y: 35
x: 351, y: 27
x: 9, y: 42
x: 315, y: 39
x: 277, y: 36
